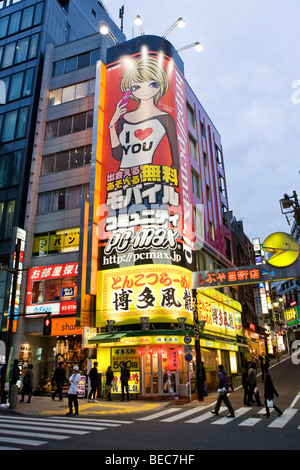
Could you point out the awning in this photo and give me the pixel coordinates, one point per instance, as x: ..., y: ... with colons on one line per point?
x: 110, y: 338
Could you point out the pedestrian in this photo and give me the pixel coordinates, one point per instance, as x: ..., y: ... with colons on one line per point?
x: 15, y: 372
x: 264, y: 365
x: 58, y: 380
x: 109, y: 379
x: 269, y: 396
x: 72, y: 392
x: 253, y: 388
x: 27, y: 384
x: 93, y: 375
x: 245, y: 384
x: 222, y: 389
x: 125, y: 376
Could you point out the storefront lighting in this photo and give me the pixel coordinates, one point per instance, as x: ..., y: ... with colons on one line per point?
x: 104, y: 29
x: 180, y: 350
x: 197, y: 45
x: 161, y: 351
x: 141, y: 351
x: 151, y: 351
x: 180, y: 23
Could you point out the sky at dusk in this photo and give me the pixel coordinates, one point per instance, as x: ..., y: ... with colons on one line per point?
x: 247, y: 78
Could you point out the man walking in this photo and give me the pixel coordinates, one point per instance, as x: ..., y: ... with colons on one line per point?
x: 93, y: 375
x: 222, y: 389
x: 125, y: 376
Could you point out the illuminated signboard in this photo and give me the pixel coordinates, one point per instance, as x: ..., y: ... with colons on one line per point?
x: 146, y: 206
x: 52, y: 289
x: 291, y: 316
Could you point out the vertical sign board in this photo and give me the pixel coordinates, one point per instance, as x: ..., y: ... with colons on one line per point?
x: 145, y: 225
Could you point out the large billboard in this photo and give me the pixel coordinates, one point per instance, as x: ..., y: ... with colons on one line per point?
x: 146, y: 210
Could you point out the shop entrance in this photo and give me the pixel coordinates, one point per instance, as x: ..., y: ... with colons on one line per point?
x: 156, y: 378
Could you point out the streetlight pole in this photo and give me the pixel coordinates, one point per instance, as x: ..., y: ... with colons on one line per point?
x: 197, y: 327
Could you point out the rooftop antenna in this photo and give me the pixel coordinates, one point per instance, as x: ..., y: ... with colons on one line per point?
x: 121, y: 16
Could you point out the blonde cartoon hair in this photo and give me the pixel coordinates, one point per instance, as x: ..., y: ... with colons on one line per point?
x: 145, y: 69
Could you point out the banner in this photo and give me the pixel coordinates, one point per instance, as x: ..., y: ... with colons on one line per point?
x: 146, y: 206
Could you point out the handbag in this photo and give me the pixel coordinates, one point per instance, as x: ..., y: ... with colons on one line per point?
x: 269, y: 403
x: 229, y: 388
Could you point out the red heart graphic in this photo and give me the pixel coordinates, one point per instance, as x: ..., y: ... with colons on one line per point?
x: 142, y: 135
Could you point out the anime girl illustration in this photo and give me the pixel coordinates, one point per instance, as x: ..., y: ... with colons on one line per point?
x: 135, y: 135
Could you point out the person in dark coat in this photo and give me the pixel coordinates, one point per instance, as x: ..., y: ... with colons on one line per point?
x: 59, y: 378
x: 270, y: 392
x: 223, y: 381
x: 15, y: 372
x: 93, y: 375
x: 27, y: 384
x: 245, y: 384
x: 109, y: 379
x: 125, y: 376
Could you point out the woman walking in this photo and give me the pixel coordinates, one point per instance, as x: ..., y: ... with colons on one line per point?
x: 269, y: 396
x: 222, y: 389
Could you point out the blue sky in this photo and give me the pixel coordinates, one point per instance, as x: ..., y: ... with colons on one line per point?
x: 244, y: 79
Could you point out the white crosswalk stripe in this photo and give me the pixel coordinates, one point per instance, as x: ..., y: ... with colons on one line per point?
x: 31, y: 431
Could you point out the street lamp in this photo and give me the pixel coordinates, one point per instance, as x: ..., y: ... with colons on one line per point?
x: 139, y: 22
x: 180, y: 23
x: 290, y: 205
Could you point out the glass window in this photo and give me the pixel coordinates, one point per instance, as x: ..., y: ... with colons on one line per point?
x: 74, y: 196
x: 33, y: 46
x: 89, y: 121
x: 14, y: 22
x: 55, y: 97
x: 44, y: 202
x: 58, y: 68
x: 4, y: 84
x: 65, y: 126
x: 4, y: 170
x: 9, y: 126
x: 71, y: 64
x: 62, y: 161
x: 15, y: 86
x: 3, y: 26
x: 81, y: 90
x: 52, y: 290
x: 28, y: 82
x: 88, y: 155
x: 1, y: 53
x: 9, y: 220
x: 85, y: 192
x: 22, y: 123
x: 83, y: 60
x: 92, y: 87
x: 27, y: 17
x: 21, y: 50
x: 69, y: 288
x: 79, y: 122
x: 95, y: 56
x: 38, y: 14
x: 52, y: 129
x: 193, y: 148
x: 38, y: 292
x: 68, y: 94
x: 48, y: 164
x: 59, y: 200
x: 77, y: 157
x: 15, y: 173
x: 8, y: 56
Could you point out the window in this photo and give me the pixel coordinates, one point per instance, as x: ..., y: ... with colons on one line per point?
x: 8, y: 56
x: 62, y: 161
x: 202, y: 130
x: 3, y: 26
x: 191, y: 115
x: 10, y: 120
x: 211, y: 230
x: 15, y: 86
x: 69, y: 159
x: 14, y: 22
x: 54, y: 290
x: 72, y: 92
x: 9, y: 220
x: 48, y: 164
x: 196, y: 184
x: 16, y: 52
x: 208, y: 193
x: 222, y: 185
x: 83, y: 60
x: 77, y: 62
x: 27, y: 17
x: 66, y: 198
x: 219, y: 155
x: 21, y: 20
x: 21, y: 50
x: 69, y: 124
x: 22, y: 120
x: 193, y: 148
x: 59, y: 241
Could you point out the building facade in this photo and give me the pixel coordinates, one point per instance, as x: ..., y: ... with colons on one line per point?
x: 118, y: 285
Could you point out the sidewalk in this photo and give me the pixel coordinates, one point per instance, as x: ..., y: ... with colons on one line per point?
x: 45, y: 406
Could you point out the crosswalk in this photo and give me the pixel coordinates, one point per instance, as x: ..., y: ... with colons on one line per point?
x: 171, y: 415
x: 19, y: 431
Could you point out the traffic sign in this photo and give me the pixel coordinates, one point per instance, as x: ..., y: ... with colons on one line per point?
x: 188, y: 357
x: 187, y: 339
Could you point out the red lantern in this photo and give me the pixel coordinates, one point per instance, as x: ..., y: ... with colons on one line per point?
x: 150, y: 350
x: 161, y: 350
x: 173, y: 359
x: 141, y: 351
